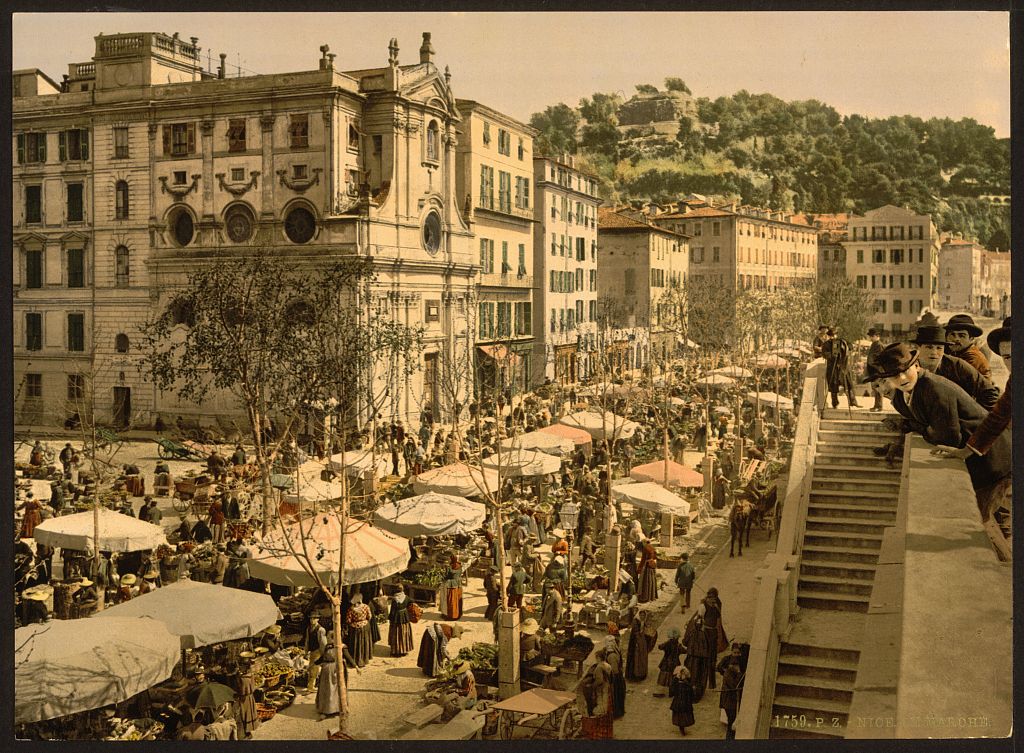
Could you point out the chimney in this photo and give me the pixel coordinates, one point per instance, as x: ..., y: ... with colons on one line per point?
x: 222, y: 68
x: 324, y: 49
x: 426, y: 49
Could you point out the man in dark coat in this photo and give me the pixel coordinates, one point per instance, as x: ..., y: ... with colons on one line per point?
x: 869, y: 370
x: 837, y: 367
x: 961, y: 337
x: 944, y: 414
x: 930, y: 341
x: 819, y: 340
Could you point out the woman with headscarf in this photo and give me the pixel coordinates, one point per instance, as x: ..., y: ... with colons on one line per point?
x: 453, y: 589
x: 642, y: 637
x: 596, y: 690
x: 360, y: 637
x: 327, y: 690
x: 673, y: 649
x: 613, y: 655
x: 433, y: 652
x: 648, y: 590
x: 681, y: 692
x: 245, y: 687
x: 399, y: 629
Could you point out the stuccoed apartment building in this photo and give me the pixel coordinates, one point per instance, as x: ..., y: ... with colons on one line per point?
x: 141, y: 166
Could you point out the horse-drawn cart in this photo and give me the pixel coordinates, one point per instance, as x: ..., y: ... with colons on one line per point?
x: 192, y: 494
x: 548, y: 713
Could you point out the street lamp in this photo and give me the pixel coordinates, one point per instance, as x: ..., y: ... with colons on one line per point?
x: 569, y: 515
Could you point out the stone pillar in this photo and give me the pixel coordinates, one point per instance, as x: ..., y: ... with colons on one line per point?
x: 668, y: 521
x: 206, y: 129
x: 508, y: 653
x: 709, y: 475
x: 267, y: 166
x: 612, y: 557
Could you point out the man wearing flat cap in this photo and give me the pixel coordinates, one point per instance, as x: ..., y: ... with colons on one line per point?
x: 931, y: 341
x: 961, y: 341
x: 944, y: 414
x: 869, y: 369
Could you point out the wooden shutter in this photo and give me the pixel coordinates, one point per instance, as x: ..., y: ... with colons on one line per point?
x: 84, y: 143
x: 191, y: 138
x: 21, y: 148
x: 62, y: 146
x: 167, y: 139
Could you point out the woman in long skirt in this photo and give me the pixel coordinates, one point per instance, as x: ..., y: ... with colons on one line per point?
x: 642, y: 637
x: 681, y: 692
x: 672, y: 649
x: 360, y: 638
x: 399, y: 629
x: 245, y: 687
x: 453, y: 590
x: 613, y: 655
x: 648, y: 573
x: 700, y: 657
x: 32, y: 517
x: 327, y: 690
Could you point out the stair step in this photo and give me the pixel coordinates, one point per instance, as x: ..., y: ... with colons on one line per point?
x: 849, y: 570
x: 856, y: 438
x: 868, y: 462
x: 814, y: 688
x: 845, y: 424
x: 863, y: 512
x: 851, y: 494
x: 812, y: 707
x: 826, y: 656
x: 833, y: 585
x: 854, y: 484
x: 886, y: 471
x: 831, y: 602
x: 844, y: 683
x: 856, y: 526
x: 859, y: 540
x: 832, y: 553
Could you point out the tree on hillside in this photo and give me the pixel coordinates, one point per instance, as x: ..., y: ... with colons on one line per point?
x: 556, y: 128
x: 676, y: 84
x: 646, y: 89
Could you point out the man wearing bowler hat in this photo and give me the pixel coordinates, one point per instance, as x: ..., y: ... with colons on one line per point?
x: 930, y: 341
x: 961, y: 336
x: 944, y: 414
x: 837, y: 367
x: 869, y: 370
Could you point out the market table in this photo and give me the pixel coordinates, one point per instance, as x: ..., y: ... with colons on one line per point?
x: 541, y: 710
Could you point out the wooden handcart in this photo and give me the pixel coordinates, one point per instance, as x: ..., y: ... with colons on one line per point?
x: 169, y: 449
x: 546, y: 713
x: 192, y: 495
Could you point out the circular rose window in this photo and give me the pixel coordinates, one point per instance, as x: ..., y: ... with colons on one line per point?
x: 182, y: 228
x: 432, y: 233
x: 299, y: 225
x: 239, y: 225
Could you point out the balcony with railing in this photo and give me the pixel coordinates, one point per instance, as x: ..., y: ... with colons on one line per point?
x: 117, y: 45
x: 509, y: 210
x: 506, y: 280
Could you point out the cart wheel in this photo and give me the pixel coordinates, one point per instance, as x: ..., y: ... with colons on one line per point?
x: 505, y: 726
x: 163, y: 453
x: 572, y: 723
x: 180, y: 504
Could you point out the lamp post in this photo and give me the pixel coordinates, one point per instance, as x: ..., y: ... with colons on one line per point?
x: 569, y: 515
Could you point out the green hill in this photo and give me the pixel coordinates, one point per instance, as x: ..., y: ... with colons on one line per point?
x: 796, y: 156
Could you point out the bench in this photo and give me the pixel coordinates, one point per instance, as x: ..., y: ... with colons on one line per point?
x: 425, y: 715
x: 466, y: 725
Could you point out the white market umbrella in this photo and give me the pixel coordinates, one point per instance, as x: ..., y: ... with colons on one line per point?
x: 359, y: 462
x: 523, y: 463
x: 578, y: 437
x: 597, y: 425
x: 771, y: 361
x: 457, y: 479
x: 540, y: 440
x: 612, y: 390
x: 735, y: 372
x: 652, y: 496
x: 201, y: 613
x: 64, y: 667
x: 311, y: 486
x: 771, y: 398
x: 285, y: 555
x: 687, y: 343
x: 117, y: 532
x: 788, y: 352
x: 430, y: 514
x: 716, y: 380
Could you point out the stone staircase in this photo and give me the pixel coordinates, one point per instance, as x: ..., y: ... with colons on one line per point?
x: 854, y: 496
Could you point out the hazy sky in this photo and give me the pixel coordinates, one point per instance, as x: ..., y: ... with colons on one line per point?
x: 877, y: 64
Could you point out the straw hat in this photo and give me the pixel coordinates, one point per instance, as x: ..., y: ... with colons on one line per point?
x: 151, y: 575
x: 274, y: 629
x: 529, y: 626
x: 128, y: 580
x: 85, y: 582
x: 262, y: 650
x: 34, y: 596
x: 247, y: 655
x: 462, y: 666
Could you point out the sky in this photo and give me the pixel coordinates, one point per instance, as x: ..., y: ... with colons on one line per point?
x: 927, y: 64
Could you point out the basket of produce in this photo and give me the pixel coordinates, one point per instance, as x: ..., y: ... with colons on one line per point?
x: 280, y: 699
x: 136, y: 729
x: 483, y: 658
x: 275, y: 674
x: 265, y: 712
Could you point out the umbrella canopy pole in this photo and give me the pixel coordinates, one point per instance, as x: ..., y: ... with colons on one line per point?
x: 335, y: 598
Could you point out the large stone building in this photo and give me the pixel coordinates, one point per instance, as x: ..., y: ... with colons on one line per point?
x: 142, y: 166
x: 565, y: 266
x: 641, y: 266
x: 962, y: 280
x: 996, y: 294
x: 746, y: 247
x: 494, y: 177
x: 894, y: 253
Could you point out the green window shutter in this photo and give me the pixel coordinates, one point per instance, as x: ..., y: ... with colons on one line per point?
x: 191, y: 138
x: 167, y: 139
x: 504, y: 255
x: 62, y: 146
x: 21, y: 148
x: 522, y: 257
x: 85, y: 143
x: 483, y: 255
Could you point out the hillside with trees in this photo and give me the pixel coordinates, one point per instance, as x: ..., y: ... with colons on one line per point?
x: 798, y: 156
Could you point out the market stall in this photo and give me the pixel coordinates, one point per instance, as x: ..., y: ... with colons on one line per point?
x: 516, y: 463
x: 579, y: 437
x: 430, y: 514
x: 716, y: 380
x: 678, y: 475
x: 543, y: 441
x: 457, y: 479
x: 601, y: 425
x: 311, y: 486
x: 62, y: 668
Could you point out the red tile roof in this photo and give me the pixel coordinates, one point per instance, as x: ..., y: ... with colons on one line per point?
x: 610, y: 220
x: 699, y: 212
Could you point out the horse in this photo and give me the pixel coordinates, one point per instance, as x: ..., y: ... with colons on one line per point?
x: 739, y: 522
x: 764, y: 501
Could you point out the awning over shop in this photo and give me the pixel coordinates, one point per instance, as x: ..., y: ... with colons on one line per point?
x: 500, y: 353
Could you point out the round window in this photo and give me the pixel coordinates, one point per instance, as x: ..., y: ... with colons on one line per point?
x: 239, y: 225
x: 183, y: 228
x: 299, y: 225
x: 432, y: 233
